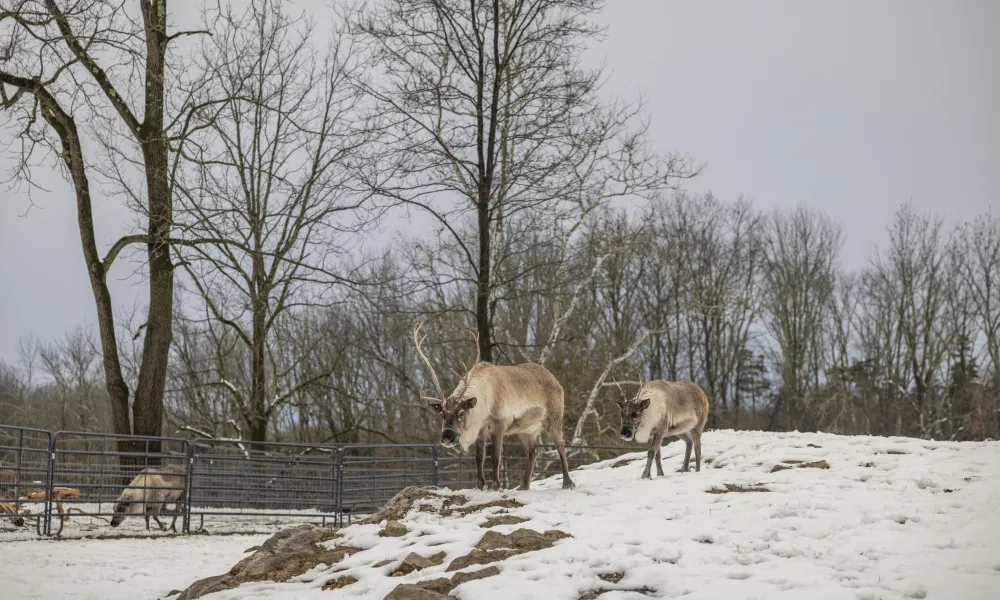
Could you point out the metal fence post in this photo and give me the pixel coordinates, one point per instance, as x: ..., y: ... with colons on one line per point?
x: 188, y: 486
x: 338, y: 501
x: 50, y: 483
x: 18, y: 474
x: 436, y: 476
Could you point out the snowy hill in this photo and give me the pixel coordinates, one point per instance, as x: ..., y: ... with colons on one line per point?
x: 889, y: 518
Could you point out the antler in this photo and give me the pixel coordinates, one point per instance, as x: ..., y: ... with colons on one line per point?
x: 624, y: 397
x: 418, y: 341
x: 464, y: 379
x: 475, y: 340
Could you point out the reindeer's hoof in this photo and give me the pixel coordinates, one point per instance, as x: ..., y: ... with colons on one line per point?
x: 524, y: 488
x: 646, y: 476
x: 682, y: 470
x: 568, y: 485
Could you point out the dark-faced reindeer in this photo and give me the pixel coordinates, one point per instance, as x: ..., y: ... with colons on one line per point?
x: 665, y: 409
x: 149, y: 492
x: 493, y: 401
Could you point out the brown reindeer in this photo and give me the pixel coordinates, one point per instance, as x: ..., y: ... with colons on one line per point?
x: 493, y: 401
x: 149, y: 493
x: 665, y: 409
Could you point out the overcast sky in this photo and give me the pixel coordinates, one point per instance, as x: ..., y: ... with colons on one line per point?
x: 851, y: 107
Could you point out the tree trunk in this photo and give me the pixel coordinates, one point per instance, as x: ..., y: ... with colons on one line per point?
x: 483, y: 320
x: 147, y: 411
x: 258, y: 375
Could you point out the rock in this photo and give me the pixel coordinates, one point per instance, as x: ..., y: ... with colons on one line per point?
x: 502, y: 503
x: 524, y: 540
x: 284, y: 555
x: 495, y: 546
x: 443, y: 585
x: 460, y: 578
x: 400, y: 504
x: 818, y: 464
x: 732, y: 487
x: 415, y: 562
x: 502, y: 520
x: 340, y: 582
x: 393, y: 529
x: 414, y: 592
x: 173, y: 593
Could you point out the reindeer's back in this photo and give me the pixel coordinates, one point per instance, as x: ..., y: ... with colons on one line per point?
x: 527, y: 384
x: 145, y: 484
x: 682, y: 398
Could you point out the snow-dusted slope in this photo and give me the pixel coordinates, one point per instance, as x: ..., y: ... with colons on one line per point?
x: 890, y: 518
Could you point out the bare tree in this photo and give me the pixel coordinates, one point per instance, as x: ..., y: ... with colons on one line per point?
x: 720, y: 250
x: 799, y: 275
x: 980, y: 244
x: 72, y: 366
x: 491, y: 118
x: 69, y: 65
x: 269, y: 183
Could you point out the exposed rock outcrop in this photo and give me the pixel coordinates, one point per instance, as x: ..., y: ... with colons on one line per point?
x: 284, y: 555
x: 497, y: 546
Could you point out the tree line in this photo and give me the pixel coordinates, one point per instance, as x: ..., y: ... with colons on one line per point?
x: 261, y: 163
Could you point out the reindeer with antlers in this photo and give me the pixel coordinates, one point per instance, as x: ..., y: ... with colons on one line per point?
x: 492, y: 401
x: 665, y: 409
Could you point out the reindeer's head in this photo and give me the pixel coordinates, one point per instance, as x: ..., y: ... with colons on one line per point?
x: 454, y: 417
x: 121, y: 509
x: 631, y: 413
x: 454, y: 409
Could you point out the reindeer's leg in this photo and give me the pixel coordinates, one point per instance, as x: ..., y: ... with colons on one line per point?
x: 528, y: 441
x: 696, y: 434
x: 687, y: 451
x: 557, y: 439
x: 654, y: 447
x: 156, y: 515
x: 480, y: 463
x: 497, y: 456
x: 659, y: 462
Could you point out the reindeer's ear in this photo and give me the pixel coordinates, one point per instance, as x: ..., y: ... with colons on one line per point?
x: 643, y: 403
x: 469, y: 403
x: 620, y: 402
x: 436, y: 407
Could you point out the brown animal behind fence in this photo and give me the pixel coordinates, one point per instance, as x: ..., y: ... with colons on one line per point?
x: 148, y: 494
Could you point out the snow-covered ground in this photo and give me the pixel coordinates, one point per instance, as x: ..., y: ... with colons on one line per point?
x: 115, y: 569
x: 214, y: 521
x: 891, y: 518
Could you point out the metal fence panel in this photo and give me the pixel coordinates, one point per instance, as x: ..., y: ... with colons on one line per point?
x: 90, y: 470
x: 24, y: 475
x: 230, y: 486
x: 231, y: 481
x: 373, y: 474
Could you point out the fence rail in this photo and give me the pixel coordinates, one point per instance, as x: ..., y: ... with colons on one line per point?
x: 49, y: 480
